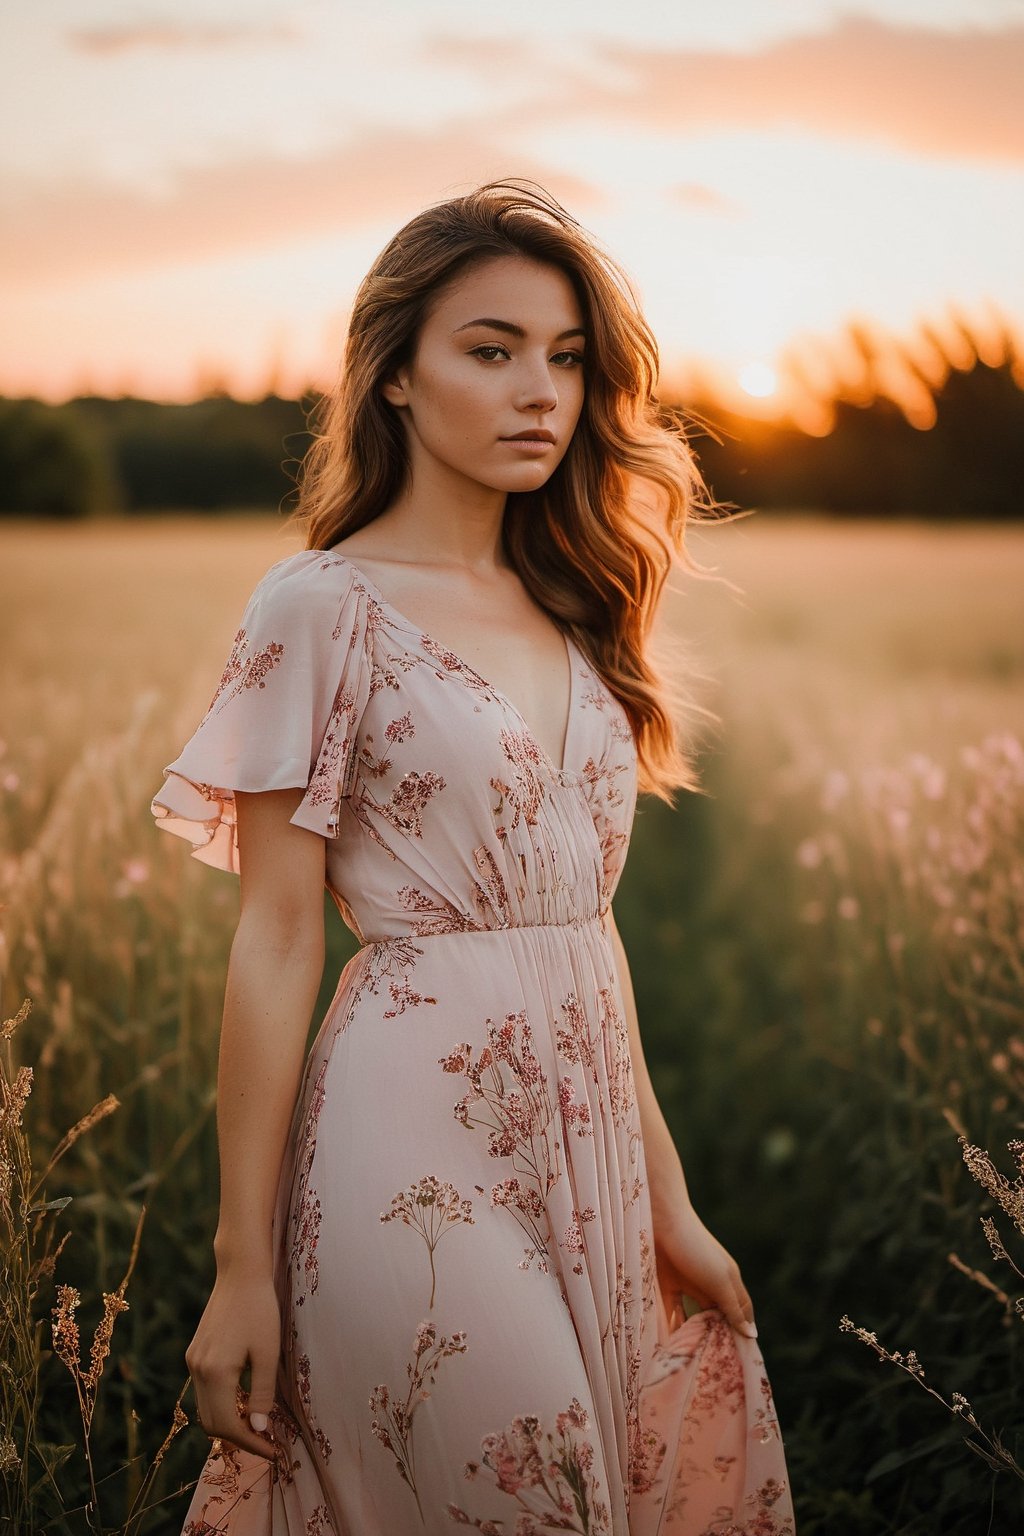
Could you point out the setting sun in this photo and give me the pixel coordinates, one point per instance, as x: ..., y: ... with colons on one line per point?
x: 758, y: 379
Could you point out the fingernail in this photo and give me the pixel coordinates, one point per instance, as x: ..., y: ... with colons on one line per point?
x: 750, y: 1329
x: 259, y: 1422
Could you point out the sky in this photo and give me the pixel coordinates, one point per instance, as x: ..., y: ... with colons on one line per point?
x: 190, y: 193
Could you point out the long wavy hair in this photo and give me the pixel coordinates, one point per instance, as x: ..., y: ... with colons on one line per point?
x: 594, y: 545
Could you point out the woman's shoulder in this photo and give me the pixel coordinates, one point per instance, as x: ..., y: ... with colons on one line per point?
x: 309, y: 578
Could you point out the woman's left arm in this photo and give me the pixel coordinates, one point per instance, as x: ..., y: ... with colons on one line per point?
x: 690, y: 1260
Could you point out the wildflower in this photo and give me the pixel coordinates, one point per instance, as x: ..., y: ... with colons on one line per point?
x: 16, y: 1098
x: 8, y: 1026
x: 113, y: 1304
x: 66, y: 1342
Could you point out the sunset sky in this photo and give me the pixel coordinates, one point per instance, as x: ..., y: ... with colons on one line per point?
x: 190, y: 193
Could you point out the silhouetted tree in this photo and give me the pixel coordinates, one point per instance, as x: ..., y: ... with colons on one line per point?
x: 51, y: 465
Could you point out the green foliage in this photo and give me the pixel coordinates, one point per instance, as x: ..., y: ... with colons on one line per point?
x: 50, y: 464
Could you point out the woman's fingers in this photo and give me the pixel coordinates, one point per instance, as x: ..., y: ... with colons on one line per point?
x: 740, y: 1311
x: 261, y: 1392
x: 220, y: 1417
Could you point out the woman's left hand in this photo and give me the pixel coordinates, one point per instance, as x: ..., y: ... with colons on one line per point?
x: 692, y: 1262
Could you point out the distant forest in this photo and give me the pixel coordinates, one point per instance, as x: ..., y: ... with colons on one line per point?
x: 92, y: 456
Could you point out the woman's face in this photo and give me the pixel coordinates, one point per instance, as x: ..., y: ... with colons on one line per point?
x: 499, y: 355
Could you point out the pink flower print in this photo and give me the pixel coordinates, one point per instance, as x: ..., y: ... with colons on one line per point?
x: 435, y: 916
x: 610, y: 1042
x: 431, y: 1209
x: 522, y: 798
x: 598, y: 696
x: 391, y: 960
x: 457, y: 1060
x: 326, y: 781
x: 720, y: 1377
x: 490, y: 893
x: 606, y: 800
x: 302, y: 1370
x: 647, y: 1270
x: 403, y: 997
x: 765, y: 1417
x: 574, y: 1417
x: 548, y: 1475
x: 307, y: 1238
x: 515, y: 1109
x: 306, y: 1233
x: 404, y: 810
x: 574, y: 1114
x: 373, y: 766
x: 232, y: 667
x: 392, y: 1421
x: 400, y: 730
x: 573, y: 1239
x: 619, y: 1062
x: 600, y: 780
x: 761, y: 1519
x: 252, y: 672
x: 450, y: 663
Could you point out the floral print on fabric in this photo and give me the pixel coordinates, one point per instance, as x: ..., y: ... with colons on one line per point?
x: 548, y: 1475
x: 509, y: 1098
x: 394, y: 1415
x: 431, y: 1209
x: 472, y: 1327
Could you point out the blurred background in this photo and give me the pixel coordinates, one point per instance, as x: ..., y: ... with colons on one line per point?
x: 822, y: 208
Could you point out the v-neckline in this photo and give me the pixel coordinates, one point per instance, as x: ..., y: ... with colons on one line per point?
x: 564, y: 772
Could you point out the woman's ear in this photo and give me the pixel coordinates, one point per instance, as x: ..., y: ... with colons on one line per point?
x: 394, y: 388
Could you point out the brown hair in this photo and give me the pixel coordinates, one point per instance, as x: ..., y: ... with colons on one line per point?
x: 595, y: 544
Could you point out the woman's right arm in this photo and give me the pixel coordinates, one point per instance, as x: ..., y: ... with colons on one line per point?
x: 273, y: 978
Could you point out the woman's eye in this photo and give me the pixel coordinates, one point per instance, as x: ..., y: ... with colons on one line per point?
x: 493, y: 348
x: 575, y: 359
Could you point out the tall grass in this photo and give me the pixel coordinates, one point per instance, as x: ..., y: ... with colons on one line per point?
x: 826, y: 952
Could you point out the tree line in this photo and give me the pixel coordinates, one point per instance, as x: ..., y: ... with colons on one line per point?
x: 92, y: 455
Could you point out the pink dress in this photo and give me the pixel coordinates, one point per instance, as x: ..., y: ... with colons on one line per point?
x: 473, y: 1332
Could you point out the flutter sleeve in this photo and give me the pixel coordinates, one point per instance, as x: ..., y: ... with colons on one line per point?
x: 284, y: 714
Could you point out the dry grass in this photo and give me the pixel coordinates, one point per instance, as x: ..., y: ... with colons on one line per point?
x: 865, y: 822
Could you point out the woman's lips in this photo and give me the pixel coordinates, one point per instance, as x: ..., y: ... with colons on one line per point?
x: 529, y: 444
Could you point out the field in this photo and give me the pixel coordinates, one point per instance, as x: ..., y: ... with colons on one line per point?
x: 826, y: 949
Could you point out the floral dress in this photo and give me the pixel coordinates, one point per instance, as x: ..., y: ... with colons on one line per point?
x: 472, y: 1328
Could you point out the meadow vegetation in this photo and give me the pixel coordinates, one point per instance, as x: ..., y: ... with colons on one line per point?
x: 826, y: 950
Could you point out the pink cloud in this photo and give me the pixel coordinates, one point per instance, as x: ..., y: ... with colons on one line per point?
x: 74, y: 228
x: 937, y: 93
x: 165, y: 36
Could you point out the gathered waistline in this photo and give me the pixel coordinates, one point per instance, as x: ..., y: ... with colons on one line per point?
x: 573, y: 925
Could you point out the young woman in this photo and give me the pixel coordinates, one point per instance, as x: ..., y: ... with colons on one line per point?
x: 454, y: 1243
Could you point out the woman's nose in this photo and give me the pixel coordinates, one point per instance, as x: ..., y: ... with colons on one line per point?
x: 537, y: 391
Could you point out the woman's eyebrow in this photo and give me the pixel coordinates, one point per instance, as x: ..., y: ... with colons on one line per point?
x: 516, y: 330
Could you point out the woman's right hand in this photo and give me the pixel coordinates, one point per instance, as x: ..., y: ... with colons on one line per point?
x: 241, y: 1324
